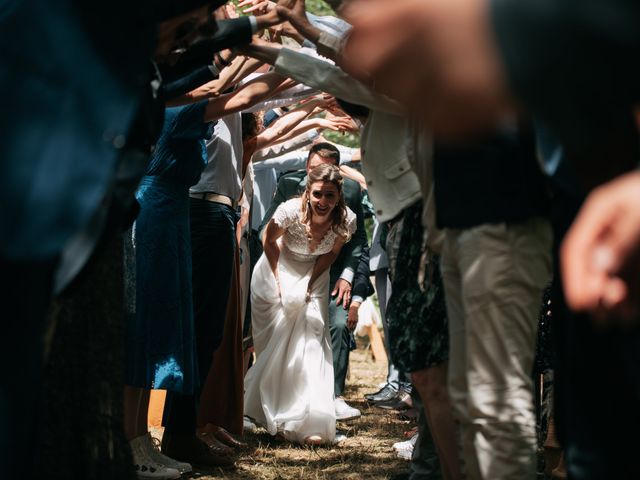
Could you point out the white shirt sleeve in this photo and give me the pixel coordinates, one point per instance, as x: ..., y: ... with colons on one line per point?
x: 324, y: 76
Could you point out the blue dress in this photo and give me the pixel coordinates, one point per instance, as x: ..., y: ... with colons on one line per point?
x: 160, y: 336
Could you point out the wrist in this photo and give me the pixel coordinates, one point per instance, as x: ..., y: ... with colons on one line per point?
x: 220, y: 61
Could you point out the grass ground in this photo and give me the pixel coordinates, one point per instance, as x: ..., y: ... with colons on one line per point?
x: 365, y: 454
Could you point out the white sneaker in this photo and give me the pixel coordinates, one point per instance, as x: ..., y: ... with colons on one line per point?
x: 345, y: 412
x: 248, y: 425
x: 153, y: 449
x: 340, y: 437
x: 145, y: 466
x: 404, y: 449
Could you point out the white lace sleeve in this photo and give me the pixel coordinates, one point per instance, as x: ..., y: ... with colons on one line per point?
x: 287, y: 213
x: 352, y: 221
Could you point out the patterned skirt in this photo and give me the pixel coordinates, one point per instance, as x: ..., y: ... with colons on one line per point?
x: 417, y: 315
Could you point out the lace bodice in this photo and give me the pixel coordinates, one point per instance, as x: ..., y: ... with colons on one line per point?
x: 288, y: 216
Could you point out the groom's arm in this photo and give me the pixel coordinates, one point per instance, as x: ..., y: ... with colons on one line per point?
x: 350, y: 257
x: 353, y: 248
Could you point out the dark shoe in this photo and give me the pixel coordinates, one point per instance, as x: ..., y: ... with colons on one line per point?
x: 401, y: 401
x: 386, y: 393
x: 188, y: 448
x: 410, y: 415
x: 400, y: 476
x: 226, y: 438
x: 215, y: 445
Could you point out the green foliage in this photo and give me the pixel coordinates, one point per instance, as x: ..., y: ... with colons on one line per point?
x: 346, y: 139
x: 319, y: 7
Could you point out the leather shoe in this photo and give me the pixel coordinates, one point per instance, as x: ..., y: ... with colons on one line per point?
x: 215, y: 445
x: 225, y: 437
x: 188, y: 448
x: 401, y: 401
x: 384, y: 394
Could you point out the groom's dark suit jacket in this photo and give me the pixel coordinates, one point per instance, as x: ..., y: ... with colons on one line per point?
x: 293, y: 184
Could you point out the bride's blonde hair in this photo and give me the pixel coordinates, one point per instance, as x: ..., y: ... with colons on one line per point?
x: 327, y: 173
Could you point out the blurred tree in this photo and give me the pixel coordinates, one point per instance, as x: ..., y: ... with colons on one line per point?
x: 319, y: 7
x: 348, y: 139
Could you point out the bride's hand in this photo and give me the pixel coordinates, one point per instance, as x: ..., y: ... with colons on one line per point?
x: 307, y: 297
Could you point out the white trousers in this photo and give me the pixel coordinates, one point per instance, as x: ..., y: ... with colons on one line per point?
x: 494, y: 276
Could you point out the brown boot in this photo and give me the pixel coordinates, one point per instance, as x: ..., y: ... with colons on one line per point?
x: 188, y: 448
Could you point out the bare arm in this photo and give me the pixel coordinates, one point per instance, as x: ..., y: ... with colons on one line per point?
x: 249, y: 66
x: 297, y: 16
x: 253, y: 92
x: 336, y: 124
x: 240, y: 67
x: 354, y: 175
x: 271, y: 248
x: 286, y: 123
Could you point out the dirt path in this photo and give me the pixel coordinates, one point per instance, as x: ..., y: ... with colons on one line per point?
x: 365, y: 454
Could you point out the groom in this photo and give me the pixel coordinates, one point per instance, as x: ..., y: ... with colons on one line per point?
x: 342, y: 271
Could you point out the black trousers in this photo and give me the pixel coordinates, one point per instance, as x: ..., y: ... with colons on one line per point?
x: 596, y: 382
x: 213, y: 245
x: 25, y: 294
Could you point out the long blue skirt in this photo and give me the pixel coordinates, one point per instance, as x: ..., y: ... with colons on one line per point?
x: 160, y: 334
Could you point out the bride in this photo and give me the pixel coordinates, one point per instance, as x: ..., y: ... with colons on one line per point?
x: 290, y: 389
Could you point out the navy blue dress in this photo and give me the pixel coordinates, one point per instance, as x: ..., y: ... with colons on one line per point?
x: 160, y: 336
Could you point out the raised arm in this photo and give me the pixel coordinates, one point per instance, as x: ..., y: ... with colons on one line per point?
x: 290, y: 143
x: 286, y: 123
x: 354, y: 175
x: 297, y: 16
x: 239, y: 68
x: 323, y: 76
x: 336, y: 124
x: 253, y: 92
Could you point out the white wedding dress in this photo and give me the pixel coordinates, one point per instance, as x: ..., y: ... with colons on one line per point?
x: 289, y: 390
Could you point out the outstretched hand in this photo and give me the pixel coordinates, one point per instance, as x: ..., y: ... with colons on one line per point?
x: 600, y: 255
x: 438, y: 58
x: 294, y: 11
x: 339, y: 124
x: 257, y: 7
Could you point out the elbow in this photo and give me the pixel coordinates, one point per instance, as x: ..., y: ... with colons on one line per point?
x: 243, y: 101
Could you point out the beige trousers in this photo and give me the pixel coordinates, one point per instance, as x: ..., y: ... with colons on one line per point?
x: 494, y: 276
